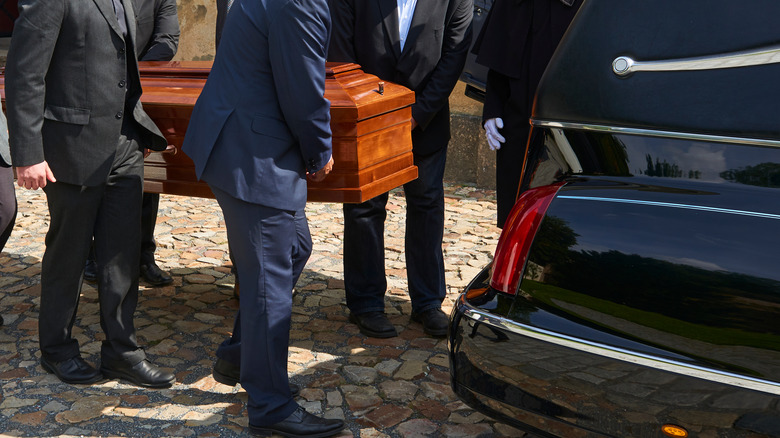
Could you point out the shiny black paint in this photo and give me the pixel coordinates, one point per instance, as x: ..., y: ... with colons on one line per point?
x: 554, y: 391
x: 579, y: 84
x: 687, y: 240
x: 659, y: 246
x: 652, y: 290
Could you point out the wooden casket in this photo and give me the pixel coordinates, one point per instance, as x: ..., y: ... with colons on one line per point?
x: 370, y: 120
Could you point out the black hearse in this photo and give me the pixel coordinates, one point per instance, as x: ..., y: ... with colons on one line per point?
x: 635, y: 289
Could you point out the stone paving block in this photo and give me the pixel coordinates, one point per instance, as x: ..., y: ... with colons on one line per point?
x: 181, y: 326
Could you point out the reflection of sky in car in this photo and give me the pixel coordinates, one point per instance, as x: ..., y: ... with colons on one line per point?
x: 709, y: 159
x: 726, y: 244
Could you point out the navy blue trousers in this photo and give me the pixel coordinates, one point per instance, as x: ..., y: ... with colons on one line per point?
x: 270, y: 247
x: 364, y: 244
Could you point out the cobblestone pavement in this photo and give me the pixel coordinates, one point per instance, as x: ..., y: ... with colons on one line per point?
x: 396, y: 387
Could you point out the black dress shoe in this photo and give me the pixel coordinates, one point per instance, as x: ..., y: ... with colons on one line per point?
x: 300, y: 424
x: 155, y: 276
x: 144, y: 373
x: 228, y: 373
x: 434, y: 322
x: 373, y: 324
x: 74, y: 370
x: 90, y: 271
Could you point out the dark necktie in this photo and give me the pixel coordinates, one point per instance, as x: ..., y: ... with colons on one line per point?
x: 119, y: 8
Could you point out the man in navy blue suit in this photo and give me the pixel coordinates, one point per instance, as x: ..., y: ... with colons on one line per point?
x: 260, y: 126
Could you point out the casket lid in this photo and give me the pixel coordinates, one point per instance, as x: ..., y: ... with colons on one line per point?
x: 353, y: 94
x: 358, y: 95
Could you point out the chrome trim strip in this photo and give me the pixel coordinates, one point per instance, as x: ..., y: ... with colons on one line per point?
x: 624, y: 65
x: 566, y: 150
x: 618, y: 353
x: 673, y: 205
x: 656, y: 133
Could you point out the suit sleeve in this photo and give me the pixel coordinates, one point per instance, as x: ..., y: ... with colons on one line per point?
x: 455, y: 46
x: 29, y: 56
x: 5, y: 154
x: 221, y: 15
x: 298, y: 44
x: 165, y: 40
x: 342, y: 45
x: 497, y: 93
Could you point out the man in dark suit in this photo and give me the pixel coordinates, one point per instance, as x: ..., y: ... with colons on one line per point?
x: 259, y: 127
x: 157, y: 39
x: 7, y: 193
x: 424, y: 48
x: 76, y: 128
x: 516, y: 44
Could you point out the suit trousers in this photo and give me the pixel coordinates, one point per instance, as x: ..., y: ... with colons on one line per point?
x: 149, y: 207
x: 509, y: 163
x: 112, y: 211
x: 270, y: 248
x: 364, y: 248
x: 7, y: 204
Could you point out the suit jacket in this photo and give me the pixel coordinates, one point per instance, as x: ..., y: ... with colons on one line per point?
x: 367, y: 32
x: 516, y: 43
x: 262, y: 121
x: 5, y: 152
x: 157, y: 38
x: 222, y: 10
x: 70, y: 79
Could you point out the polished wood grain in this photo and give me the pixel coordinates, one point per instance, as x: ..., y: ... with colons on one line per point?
x: 370, y: 121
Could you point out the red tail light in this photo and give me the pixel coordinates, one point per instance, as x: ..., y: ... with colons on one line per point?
x: 517, y: 236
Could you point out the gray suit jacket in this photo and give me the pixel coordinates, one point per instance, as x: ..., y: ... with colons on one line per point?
x: 158, y: 29
x: 5, y: 153
x: 71, y: 78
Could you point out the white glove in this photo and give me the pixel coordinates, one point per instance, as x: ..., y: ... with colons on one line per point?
x: 494, y: 139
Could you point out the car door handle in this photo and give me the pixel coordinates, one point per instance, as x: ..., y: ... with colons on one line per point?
x: 624, y: 65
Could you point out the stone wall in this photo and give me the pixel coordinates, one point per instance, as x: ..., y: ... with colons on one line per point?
x: 469, y: 158
x: 197, y: 20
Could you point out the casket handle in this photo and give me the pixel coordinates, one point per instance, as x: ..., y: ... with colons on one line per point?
x: 171, y: 150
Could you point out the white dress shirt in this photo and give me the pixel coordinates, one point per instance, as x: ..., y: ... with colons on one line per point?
x: 405, y: 14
